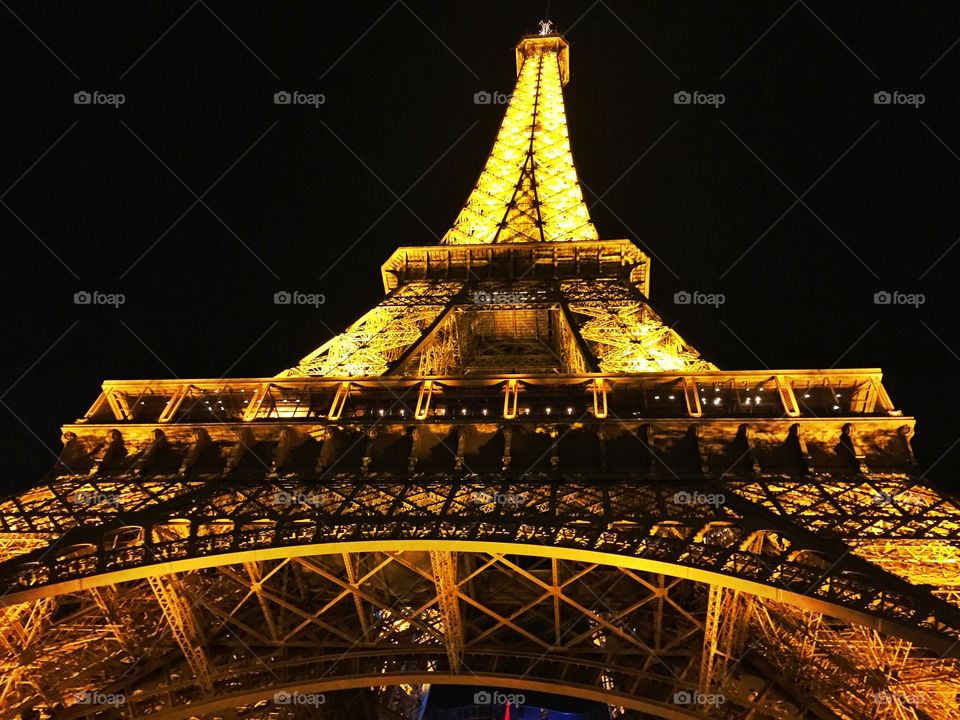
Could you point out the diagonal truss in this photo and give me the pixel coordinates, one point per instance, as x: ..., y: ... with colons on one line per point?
x: 510, y: 473
x: 372, y: 343
x: 568, y: 622
x: 528, y: 190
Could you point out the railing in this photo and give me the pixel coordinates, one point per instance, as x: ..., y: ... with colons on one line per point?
x: 715, y: 394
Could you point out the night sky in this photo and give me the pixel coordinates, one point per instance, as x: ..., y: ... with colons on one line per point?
x: 314, y: 199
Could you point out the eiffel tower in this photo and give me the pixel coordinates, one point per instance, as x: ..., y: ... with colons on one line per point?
x: 511, y: 476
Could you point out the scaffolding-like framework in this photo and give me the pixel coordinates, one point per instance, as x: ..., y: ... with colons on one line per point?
x: 509, y: 474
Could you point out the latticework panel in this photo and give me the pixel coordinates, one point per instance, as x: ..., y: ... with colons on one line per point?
x: 624, y: 333
x: 380, y: 337
x: 247, y: 635
x: 528, y: 190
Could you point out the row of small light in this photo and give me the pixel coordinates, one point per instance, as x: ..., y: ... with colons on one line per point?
x: 526, y: 411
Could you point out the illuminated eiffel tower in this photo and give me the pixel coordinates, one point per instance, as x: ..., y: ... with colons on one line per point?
x: 509, y: 475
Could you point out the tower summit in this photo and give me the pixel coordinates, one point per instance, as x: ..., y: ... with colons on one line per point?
x: 528, y: 190
x: 521, y: 284
x: 508, y: 475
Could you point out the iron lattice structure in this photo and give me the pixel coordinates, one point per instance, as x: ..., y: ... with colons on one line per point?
x: 510, y: 474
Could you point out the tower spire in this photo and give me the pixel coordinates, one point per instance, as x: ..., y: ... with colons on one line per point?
x: 528, y: 190
x: 521, y: 283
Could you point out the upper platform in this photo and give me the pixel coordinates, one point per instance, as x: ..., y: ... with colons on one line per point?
x: 587, y: 260
x: 552, y: 43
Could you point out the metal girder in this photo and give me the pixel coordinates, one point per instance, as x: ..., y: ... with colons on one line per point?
x: 603, y: 617
x: 448, y: 598
x: 528, y: 189
x: 624, y: 333
x: 255, y: 573
x: 625, y: 521
x: 119, y: 623
x: 20, y: 627
x: 677, y: 529
x: 372, y: 343
x: 183, y: 626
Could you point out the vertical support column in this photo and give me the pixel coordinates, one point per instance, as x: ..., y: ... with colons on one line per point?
x: 252, y: 410
x: 118, y: 404
x: 255, y: 573
x: 886, y: 404
x: 599, y: 390
x: 20, y: 625
x: 787, y: 398
x: 176, y: 400
x: 510, y: 399
x: 179, y: 616
x: 351, y: 564
x: 711, y: 633
x: 106, y: 599
x: 339, y: 400
x: 445, y: 580
x: 423, y: 400
x: 692, y: 395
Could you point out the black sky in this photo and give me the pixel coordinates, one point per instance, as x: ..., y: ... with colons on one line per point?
x: 303, y: 187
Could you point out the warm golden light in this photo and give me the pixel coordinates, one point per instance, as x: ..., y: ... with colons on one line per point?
x: 528, y: 190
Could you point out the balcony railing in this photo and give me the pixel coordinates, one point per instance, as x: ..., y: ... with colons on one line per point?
x: 716, y: 394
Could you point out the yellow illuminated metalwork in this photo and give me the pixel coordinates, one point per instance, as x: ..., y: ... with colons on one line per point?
x: 528, y: 190
x: 528, y: 193
x: 381, y: 335
x: 352, y: 527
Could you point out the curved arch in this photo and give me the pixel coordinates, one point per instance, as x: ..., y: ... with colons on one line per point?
x: 566, y: 689
x: 927, y: 638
